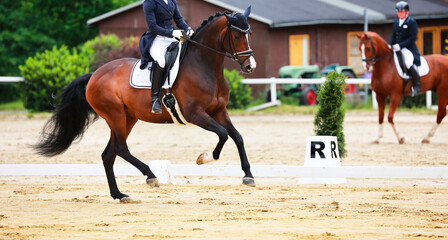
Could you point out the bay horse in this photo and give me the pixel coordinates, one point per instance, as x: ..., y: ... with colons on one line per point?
x: 378, y: 59
x: 201, y: 90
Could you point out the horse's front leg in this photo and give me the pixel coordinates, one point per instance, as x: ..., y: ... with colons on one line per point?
x: 224, y: 119
x: 381, y: 100
x: 204, y: 121
x: 394, y: 101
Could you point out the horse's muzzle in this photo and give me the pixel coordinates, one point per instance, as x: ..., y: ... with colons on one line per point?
x: 249, y: 66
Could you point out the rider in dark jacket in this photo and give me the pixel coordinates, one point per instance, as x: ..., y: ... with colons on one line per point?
x: 404, y: 35
x: 159, y: 15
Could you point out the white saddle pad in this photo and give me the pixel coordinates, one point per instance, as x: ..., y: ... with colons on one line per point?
x: 140, y: 78
x: 422, y: 70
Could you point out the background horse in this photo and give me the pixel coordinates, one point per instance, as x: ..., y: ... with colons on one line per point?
x: 201, y: 90
x: 379, y: 59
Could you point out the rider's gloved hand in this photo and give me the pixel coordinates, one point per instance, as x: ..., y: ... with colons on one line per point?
x: 190, y: 32
x: 177, y: 34
x: 396, y: 47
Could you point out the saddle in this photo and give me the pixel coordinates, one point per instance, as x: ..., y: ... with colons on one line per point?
x: 403, y: 71
x: 140, y: 77
x: 423, y: 69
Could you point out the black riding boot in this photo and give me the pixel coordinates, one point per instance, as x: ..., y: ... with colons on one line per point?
x: 416, y: 79
x: 157, y: 80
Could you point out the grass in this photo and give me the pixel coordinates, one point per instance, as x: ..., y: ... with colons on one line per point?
x: 16, y: 106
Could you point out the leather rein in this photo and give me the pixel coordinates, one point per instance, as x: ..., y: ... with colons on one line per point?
x: 249, y: 53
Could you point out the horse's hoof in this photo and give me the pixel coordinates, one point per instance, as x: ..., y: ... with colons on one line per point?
x: 425, y: 140
x: 125, y: 199
x: 204, y: 158
x: 248, y: 181
x: 153, y: 182
x: 401, y: 141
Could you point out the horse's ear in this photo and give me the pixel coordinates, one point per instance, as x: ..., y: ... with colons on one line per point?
x: 359, y: 36
x: 247, y: 12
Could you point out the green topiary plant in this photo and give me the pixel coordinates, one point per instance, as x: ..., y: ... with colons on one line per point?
x: 239, y: 93
x: 105, y: 48
x: 47, y: 73
x: 330, y: 116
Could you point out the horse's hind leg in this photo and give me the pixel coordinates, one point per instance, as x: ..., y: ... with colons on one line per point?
x: 123, y: 151
x: 117, y: 146
x: 441, y: 113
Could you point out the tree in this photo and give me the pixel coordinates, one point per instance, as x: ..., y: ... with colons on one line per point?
x: 31, y: 26
x: 329, y: 119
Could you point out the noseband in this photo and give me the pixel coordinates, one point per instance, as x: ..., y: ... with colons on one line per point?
x: 373, y: 59
x: 249, y: 53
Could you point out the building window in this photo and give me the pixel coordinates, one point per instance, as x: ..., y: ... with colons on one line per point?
x: 433, y: 40
x: 354, y: 58
x: 299, y: 50
x: 444, y: 41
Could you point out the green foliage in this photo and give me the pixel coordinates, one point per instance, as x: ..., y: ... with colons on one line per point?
x: 417, y: 101
x: 47, y: 73
x: 31, y: 26
x: 105, y: 48
x: 330, y: 116
x: 9, y: 92
x: 239, y: 93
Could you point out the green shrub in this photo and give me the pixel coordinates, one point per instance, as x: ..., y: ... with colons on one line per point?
x: 417, y: 101
x: 329, y: 119
x: 105, y: 48
x: 239, y: 93
x: 47, y: 73
x: 9, y: 92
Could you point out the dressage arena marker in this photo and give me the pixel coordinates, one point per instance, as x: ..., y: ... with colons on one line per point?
x: 167, y: 172
x: 322, y: 151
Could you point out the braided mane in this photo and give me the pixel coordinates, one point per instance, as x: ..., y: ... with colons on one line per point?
x: 207, y: 21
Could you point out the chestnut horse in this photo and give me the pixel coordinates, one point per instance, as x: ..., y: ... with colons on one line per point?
x: 378, y: 58
x: 200, y: 89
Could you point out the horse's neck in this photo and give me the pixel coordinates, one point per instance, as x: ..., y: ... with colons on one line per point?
x: 205, y: 59
x: 384, y: 67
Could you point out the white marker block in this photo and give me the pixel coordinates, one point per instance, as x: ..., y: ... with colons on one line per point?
x: 322, y: 151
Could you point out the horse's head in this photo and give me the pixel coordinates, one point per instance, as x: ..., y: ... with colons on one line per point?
x: 238, y: 36
x: 368, y: 52
x: 371, y: 45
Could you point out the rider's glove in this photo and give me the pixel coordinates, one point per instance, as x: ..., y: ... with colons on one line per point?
x: 396, y: 47
x: 190, y: 32
x: 177, y: 34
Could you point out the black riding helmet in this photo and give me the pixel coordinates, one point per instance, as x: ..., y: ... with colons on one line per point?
x: 402, y: 6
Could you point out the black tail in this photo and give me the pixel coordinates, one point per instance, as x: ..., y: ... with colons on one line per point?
x: 69, y: 121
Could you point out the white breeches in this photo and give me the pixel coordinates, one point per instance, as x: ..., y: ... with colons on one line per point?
x: 158, y: 49
x: 408, y: 57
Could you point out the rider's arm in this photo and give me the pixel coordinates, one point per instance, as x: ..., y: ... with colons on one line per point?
x: 179, y: 20
x: 149, y: 12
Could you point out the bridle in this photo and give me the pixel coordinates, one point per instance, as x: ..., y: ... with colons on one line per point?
x: 233, y: 54
x: 372, y: 60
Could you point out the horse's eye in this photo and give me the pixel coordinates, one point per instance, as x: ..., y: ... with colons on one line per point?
x: 368, y: 49
x: 236, y: 36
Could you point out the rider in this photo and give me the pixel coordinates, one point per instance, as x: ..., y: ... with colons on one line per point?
x: 403, y: 37
x: 159, y: 15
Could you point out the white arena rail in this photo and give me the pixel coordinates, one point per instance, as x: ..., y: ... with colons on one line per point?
x: 167, y: 172
x: 274, y: 81
x: 11, y: 79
